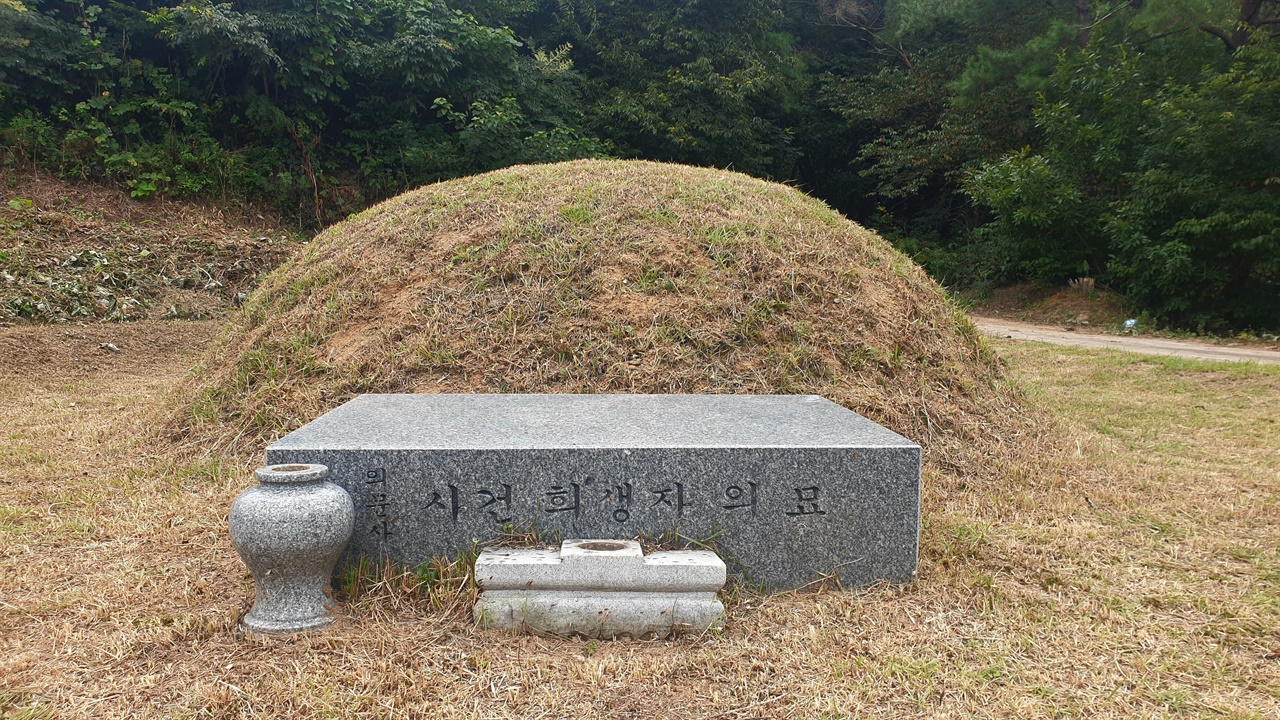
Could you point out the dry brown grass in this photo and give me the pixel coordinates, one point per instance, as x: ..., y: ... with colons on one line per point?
x: 1137, y: 578
x: 603, y: 276
x: 1117, y: 557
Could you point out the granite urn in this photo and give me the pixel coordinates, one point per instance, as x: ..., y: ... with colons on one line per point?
x: 290, y: 530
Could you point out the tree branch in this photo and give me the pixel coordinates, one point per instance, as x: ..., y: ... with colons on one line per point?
x: 1106, y: 17
x: 1220, y: 34
x: 1147, y: 41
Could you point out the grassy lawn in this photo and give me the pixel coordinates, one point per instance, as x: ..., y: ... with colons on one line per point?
x: 1132, y: 570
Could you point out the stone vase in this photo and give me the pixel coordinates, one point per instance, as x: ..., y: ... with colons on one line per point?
x: 290, y: 530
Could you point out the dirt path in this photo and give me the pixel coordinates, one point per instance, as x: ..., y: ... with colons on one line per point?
x: 1144, y: 345
x: 97, y: 351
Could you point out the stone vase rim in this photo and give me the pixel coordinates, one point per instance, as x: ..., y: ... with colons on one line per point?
x: 291, y: 473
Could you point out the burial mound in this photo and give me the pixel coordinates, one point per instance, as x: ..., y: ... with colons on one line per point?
x: 601, y: 277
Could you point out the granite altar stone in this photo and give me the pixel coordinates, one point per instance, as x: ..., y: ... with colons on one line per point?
x: 789, y: 489
x: 600, y: 589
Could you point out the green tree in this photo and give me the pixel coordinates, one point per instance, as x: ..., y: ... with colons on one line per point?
x: 1157, y: 173
x: 1197, y: 236
x: 926, y: 122
x: 705, y: 83
x: 322, y: 105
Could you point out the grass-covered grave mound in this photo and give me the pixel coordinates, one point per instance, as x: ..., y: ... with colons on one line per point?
x: 602, y: 277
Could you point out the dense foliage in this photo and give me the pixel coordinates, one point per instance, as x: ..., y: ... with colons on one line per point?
x: 995, y: 140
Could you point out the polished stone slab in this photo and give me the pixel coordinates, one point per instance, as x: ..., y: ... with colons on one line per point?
x: 787, y: 488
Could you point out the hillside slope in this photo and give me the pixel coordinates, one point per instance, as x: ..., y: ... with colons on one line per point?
x: 598, y: 277
x: 79, y: 252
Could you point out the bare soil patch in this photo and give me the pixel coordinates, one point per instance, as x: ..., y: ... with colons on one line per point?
x: 34, y: 353
x: 80, y: 252
x: 1087, y: 307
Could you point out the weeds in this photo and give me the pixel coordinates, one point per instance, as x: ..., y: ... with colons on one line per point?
x: 61, y: 262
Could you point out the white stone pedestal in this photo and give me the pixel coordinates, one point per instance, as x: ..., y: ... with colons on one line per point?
x: 600, y: 589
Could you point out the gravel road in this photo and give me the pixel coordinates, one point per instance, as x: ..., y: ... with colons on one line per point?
x: 1129, y: 343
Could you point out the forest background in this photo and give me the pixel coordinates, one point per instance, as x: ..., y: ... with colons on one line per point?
x: 1136, y: 142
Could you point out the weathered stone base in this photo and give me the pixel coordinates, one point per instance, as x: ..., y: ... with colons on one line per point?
x: 599, y: 589
x: 599, y: 614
